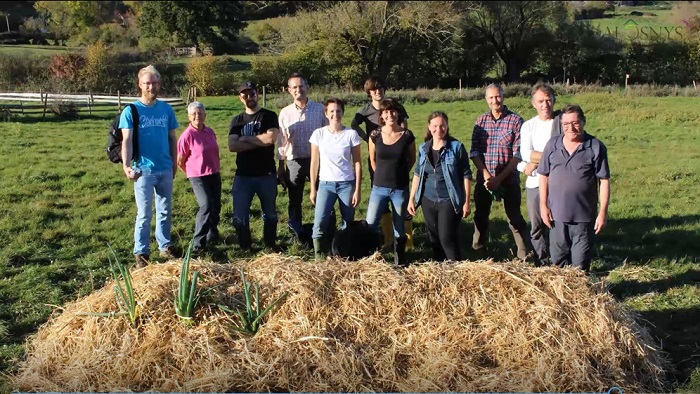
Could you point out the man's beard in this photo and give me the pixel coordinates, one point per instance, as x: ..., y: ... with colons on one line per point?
x: 251, y: 104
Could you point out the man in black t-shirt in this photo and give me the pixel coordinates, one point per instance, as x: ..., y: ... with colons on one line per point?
x: 252, y: 134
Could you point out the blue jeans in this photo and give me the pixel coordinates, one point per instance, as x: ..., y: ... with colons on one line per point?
x: 326, y: 195
x: 162, y: 183
x: 242, y: 192
x: 378, y: 198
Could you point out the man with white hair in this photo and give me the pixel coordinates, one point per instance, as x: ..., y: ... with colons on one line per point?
x: 533, y: 137
x: 154, y: 168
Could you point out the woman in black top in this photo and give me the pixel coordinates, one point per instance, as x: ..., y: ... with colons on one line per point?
x: 392, y: 153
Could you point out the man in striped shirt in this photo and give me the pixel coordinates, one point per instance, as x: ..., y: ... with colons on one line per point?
x: 297, y: 122
x: 496, y: 154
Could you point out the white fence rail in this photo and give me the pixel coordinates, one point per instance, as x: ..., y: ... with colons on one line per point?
x: 16, y: 101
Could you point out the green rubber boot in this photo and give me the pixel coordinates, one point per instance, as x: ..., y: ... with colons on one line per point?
x: 319, y: 253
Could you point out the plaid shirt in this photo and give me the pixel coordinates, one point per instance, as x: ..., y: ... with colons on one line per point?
x: 296, y: 126
x: 496, y: 142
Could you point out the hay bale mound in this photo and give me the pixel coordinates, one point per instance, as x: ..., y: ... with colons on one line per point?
x: 355, y: 327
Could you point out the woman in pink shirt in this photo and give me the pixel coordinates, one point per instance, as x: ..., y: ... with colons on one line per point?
x: 198, y: 157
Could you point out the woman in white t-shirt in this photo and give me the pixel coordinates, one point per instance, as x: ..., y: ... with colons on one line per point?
x: 336, y: 173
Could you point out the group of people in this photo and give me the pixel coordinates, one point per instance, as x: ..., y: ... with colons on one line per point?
x: 566, y: 169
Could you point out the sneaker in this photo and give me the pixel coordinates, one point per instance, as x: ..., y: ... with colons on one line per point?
x: 141, y: 260
x: 168, y: 253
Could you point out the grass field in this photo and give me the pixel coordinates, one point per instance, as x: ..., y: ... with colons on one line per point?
x: 61, y: 200
x: 625, y: 23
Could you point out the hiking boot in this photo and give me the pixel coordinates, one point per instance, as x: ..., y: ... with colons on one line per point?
x: 141, y: 260
x: 168, y: 253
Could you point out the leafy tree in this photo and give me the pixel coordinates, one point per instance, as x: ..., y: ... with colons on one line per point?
x: 198, y: 23
x: 513, y: 30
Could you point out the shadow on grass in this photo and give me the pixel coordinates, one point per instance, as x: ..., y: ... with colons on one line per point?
x: 676, y: 331
x: 631, y: 288
x: 644, y: 239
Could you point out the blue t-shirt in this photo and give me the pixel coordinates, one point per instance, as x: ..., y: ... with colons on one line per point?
x: 155, y: 122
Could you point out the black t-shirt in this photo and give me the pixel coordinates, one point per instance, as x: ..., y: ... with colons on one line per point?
x: 392, y: 160
x: 259, y: 161
x: 369, y: 116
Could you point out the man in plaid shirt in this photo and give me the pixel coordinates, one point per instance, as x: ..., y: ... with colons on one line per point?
x: 496, y: 153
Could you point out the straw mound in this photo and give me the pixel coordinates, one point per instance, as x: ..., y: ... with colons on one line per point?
x: 362, y: 326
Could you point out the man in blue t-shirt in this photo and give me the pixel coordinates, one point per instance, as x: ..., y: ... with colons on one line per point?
x: 574, y: 179
x: 155, y: 166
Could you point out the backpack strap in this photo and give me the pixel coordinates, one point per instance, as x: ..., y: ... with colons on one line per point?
x: 135, y: 137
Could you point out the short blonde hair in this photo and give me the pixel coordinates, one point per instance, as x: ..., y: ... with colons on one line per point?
x: 149, y: 70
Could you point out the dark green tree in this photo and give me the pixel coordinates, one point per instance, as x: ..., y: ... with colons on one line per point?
x: 198, y: 23
x: 513, y: 30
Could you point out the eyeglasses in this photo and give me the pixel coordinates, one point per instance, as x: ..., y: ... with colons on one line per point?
x: 569, y: 124
x: 248, y: 95
x: 298, y: 87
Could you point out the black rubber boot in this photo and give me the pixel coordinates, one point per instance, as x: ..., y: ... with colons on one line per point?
x: 244, y: 239
x: 270, y: 233
x: 400, y: 251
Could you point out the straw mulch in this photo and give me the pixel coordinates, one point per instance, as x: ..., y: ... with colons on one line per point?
x: 360, y: 326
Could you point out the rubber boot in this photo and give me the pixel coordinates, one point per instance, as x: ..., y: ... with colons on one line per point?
x: 400, y: 252
x: 409, y: 234
x: 270, y: 233
x: 319, y: 252
x: 387, y: 225
x: 244, y: 238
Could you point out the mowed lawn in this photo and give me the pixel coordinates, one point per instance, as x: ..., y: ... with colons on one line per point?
x: 61, y: 201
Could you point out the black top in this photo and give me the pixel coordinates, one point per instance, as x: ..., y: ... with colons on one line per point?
x: 435, y: 188
x: 259, y: 161
x: 392, y: 167
x: 369, y: 116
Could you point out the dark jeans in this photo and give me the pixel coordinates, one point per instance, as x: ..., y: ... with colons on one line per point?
x: 516, y: 222
x: 207, y: 191
x: 538, y: 231
x: 571, y: 243
x: 297, y: 172
x: 442, y: 224
x: 242, y: 192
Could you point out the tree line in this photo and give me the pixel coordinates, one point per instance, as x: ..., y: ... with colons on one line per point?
x: 410, y: 43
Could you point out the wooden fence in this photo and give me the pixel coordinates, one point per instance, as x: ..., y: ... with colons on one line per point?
x: 23, y: 103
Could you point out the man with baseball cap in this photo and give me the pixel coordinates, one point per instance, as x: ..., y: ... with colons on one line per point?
x: 252, y: 135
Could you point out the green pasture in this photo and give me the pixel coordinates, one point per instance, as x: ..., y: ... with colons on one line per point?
x: 653, y: 24
x: 61, y: 201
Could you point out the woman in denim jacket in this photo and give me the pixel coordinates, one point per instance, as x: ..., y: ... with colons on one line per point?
x: 442, y: 185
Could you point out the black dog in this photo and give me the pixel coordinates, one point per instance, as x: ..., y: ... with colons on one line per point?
x: 355, y: 241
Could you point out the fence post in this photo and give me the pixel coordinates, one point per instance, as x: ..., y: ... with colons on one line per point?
x: 90, y: 104
x: 46, y: 101
x: 119, y: 101
x: 460, y: 88
x: 264, y: 98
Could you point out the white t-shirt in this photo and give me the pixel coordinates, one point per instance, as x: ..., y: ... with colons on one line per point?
x: 533, y: 136
x: 335, y: 151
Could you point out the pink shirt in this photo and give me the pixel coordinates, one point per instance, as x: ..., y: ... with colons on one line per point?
x: 200, y: 151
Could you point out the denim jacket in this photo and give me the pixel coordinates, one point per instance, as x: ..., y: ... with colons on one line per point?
x: 454, y: 161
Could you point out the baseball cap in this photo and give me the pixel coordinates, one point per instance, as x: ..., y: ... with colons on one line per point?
x: 246, y: 86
